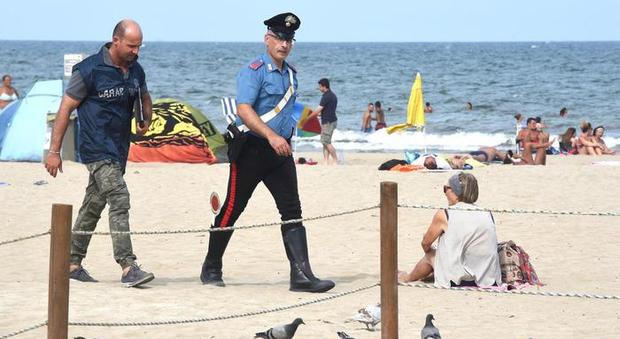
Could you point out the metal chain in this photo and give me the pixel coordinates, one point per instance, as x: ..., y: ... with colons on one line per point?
x: 23, y: 330
x: 541, y: 293
x: 24, y: 238
x: 516, y: 211
x: 222, y: 317
x: 230, y: 228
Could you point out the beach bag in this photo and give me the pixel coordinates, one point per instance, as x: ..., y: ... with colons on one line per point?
x: 515, y: 265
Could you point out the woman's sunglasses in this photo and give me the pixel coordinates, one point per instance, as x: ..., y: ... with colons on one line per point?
x: 446, y: 188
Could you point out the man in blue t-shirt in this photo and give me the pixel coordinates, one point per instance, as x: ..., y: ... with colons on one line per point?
x: 327, y: 111
x: 105, y: 88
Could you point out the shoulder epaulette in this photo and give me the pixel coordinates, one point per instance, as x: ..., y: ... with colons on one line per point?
x: 256, y: 64
x: 291, y: 66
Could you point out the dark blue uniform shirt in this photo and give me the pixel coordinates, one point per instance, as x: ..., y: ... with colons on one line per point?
x: 107, y: 96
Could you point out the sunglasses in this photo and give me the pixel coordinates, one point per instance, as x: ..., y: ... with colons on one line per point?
x: 291, y: 41
x: 446, y: 188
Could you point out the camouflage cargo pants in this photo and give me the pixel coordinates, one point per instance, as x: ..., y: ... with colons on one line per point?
x: 105, y: 185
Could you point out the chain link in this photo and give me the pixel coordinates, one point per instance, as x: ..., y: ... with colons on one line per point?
x: 515, y: 211
x: 24, y: 238
x: 23, y: 330
x: 223, y: 317
x: 538, y: 293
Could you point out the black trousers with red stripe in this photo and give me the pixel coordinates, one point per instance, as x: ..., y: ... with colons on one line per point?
x: 257, y: 162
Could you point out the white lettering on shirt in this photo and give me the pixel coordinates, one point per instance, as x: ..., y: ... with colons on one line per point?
x: 111, y: 93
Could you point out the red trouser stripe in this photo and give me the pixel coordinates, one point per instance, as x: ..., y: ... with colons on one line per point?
x: 231, y: 197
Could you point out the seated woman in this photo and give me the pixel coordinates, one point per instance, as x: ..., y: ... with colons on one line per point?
x: 585, y: 144
x: 466, y: 253
x: 7, y: 92
x: 568, y: 141
x: 597, y: 137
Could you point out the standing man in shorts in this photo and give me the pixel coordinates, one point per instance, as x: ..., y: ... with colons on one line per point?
x: 327, y: 111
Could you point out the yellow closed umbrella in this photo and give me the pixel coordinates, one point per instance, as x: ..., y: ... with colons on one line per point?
x: 415, y: 108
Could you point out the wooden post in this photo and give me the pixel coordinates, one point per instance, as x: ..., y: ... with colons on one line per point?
x: 389, y: 260
x: 58, y: 294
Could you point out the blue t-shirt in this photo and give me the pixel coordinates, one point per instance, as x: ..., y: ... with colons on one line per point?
x: 107, y: 96
x: 262, y: 85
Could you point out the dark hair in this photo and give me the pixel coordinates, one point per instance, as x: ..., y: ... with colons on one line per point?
x: 431, y: 165
x: 517, y: 116
x: 428, y: 103
x: 570, y: 132
x: 5, y: 76
x: 563, y: 111
x: 324, y: 82
x: 377, y: 103
x: 538, y: 119
x: 585, y: 126
x: 530, y: 119
x: 597, y: 127
x: 370, y: 103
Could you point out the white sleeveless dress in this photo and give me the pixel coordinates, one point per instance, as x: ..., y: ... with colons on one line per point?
x: 467, y: 251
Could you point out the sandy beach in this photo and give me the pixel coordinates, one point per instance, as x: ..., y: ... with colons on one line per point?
x: 570, y: 253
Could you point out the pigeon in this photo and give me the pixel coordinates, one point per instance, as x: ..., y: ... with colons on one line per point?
x: 281, y: 332
x: 429, y: 331
x: 369, y: 316
x: 343, y: 335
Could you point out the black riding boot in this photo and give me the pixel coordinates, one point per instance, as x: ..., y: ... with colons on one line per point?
x: 302, y: 278
x: 212, y: 266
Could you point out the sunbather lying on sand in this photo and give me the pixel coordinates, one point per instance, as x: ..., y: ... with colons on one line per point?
x: 483, y: 154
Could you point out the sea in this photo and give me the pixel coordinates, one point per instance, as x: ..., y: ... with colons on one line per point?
x: 500, y: 79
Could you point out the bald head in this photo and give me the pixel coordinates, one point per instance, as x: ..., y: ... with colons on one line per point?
x: 127, y: 27
x: 126, y: 42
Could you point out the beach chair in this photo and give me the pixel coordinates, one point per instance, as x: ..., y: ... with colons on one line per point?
x: 229, y: 110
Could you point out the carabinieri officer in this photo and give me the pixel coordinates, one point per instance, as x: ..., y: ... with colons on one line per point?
x: 266, y: 92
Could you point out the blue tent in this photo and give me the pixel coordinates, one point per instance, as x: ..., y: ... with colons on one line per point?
x: 23, y: 123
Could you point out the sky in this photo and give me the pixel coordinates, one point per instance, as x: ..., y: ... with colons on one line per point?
x: 321, y: 20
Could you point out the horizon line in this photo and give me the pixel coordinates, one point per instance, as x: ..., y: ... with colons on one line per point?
x: 326, y: 42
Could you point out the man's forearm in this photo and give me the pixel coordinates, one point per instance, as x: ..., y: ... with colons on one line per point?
x: 61, y: 122
x: 315, y: 113
x: 147, y: 106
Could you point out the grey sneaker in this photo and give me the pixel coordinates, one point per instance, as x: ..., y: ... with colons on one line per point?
x: 80, y: 274
x: 136, y: 277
